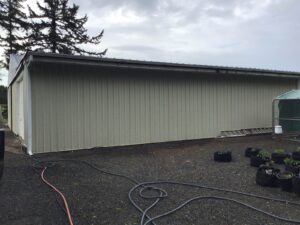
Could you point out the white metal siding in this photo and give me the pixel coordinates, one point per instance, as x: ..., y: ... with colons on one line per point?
x: 9, y: 106
x: 76, y: 107
x: 17, y: 101
x: 21, y: 108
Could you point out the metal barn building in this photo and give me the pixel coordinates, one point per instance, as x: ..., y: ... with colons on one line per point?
x: 62, y: 102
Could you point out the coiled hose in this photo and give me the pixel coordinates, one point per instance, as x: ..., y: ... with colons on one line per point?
x: 161, y: 194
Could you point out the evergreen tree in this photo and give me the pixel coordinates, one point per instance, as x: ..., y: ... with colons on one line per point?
x: 13, y: 23
x: 58, y: 29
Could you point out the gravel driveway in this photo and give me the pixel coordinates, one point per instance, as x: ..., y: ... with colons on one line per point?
x: 97, y: 198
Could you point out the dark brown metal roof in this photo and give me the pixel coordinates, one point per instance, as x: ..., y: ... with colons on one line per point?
x: 36, y: 57
x: 166, y: 65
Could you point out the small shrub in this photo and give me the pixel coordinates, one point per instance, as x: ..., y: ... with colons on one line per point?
x: 263, y: 154
x: 287, y: 161
x: 279, y: 151
x: 291, y: 162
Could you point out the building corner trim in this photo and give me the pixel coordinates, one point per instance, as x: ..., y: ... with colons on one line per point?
x: 29, y: 96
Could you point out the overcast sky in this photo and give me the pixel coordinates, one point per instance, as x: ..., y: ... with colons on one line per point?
x: 245, y: 33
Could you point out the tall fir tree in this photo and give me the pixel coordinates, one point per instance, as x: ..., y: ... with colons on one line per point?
x: 57, y: 28
x: 13, y: 24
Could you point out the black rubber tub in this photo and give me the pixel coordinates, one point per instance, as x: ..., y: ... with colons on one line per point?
x: 296, y: 184
x: 251, y: 151
x: 279, y: 157
x: 256, y: 161
x: 267, y: 176
x: 222, y: 156
x: 295, y: 169
x: 285, y: 181
x: 296, y: 155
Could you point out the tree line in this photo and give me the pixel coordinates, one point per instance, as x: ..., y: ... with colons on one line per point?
x: 54, y: 27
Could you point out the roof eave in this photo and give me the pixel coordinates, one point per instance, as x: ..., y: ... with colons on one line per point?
x: 36, y: 57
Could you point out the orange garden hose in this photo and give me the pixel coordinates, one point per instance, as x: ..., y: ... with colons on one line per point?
x: 61, y: 195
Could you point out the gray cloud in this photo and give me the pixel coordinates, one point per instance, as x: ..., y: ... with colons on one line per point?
x: 250, y: 33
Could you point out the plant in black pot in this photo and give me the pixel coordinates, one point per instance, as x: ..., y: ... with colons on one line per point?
x: 279, y: 155
x: 285, y: 181
x: 261, y: 158
x: 251, y: 151
x: 222, y: 156
x: 296, y: 154
x: 292, y: 165
x: 266, y: 175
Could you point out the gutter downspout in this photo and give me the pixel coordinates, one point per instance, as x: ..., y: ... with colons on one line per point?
x: 29, y: 104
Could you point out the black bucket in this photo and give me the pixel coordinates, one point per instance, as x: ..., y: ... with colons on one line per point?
x: 267, y: 176
x: 296, y: 155
x: 251, y: 151
x: 296, y: 184
x: 222, y: 156
x: 257, y: 161
x: 285, y: 181
x: 279, y: 157
x: 294, y: 169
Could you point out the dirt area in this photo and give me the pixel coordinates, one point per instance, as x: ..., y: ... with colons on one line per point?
x: 96, y: 198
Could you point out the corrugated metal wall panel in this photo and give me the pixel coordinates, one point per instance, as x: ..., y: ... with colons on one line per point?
x: 15, y: 107
x: 9, y: 119
x: 27, y: 107
x: 19, y: 106
x: 17, y: 101
x: 76, y: 107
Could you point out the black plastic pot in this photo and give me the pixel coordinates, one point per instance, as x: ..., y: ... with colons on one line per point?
x: 222, y: 156
x: 267, y: 176
x: 257, y: 161
x: 251, y: 151
x: 296, y: 155
x: 279, y: 157
x: 294, y: 169
x: 296, y: 184
x: 285, y: 181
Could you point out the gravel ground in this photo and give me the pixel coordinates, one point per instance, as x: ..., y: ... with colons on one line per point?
x: 95, y: 198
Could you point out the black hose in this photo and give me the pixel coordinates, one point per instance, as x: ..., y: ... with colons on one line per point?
x: 161, y: 194
x: 144, y: 185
